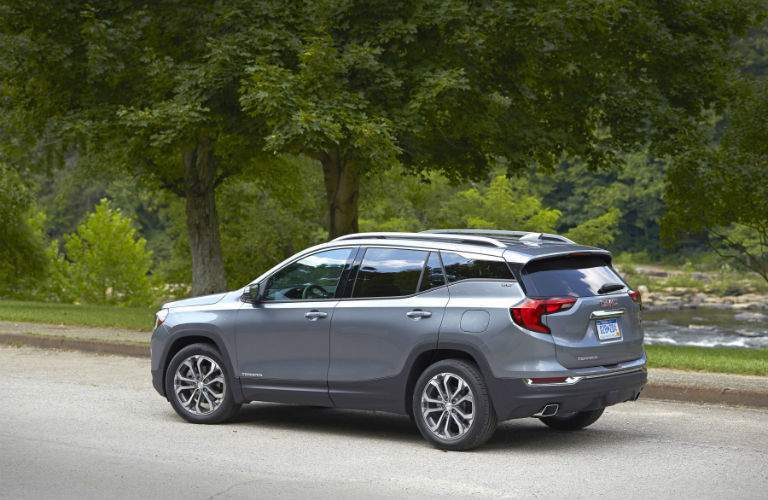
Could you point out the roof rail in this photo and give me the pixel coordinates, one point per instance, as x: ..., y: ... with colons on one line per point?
x: 448, y: 237
x: 524, y: 236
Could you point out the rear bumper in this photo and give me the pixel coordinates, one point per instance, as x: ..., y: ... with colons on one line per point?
x: 513, y: 398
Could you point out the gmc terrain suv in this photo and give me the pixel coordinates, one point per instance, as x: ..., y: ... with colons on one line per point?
x: 458, y: 329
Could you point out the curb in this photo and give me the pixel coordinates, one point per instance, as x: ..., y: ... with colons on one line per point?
x: 709, y: 395
x: 70, y: 344
x: 669, y: 392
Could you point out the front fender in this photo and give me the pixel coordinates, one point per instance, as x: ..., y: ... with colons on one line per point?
x: 165, y: 344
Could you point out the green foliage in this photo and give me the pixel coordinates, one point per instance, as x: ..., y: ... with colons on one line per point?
x: 22, y: 243
x: 634, y: 187
x: 393, y: 201
x: 264, y: 222
x: 598, y: 232
x: 504, y: 204
x: 721, y: 188
x: 181, y: 97
x: 106, y: 262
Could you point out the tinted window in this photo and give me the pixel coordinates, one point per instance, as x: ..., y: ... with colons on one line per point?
x: 458, y: 267
x: 313, y: 277
x: 389, y: 272
x: 567, y: 277
x: 433, y: 273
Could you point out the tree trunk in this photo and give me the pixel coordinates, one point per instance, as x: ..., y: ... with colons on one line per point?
x: 342, y: 187
x: 202, y: 221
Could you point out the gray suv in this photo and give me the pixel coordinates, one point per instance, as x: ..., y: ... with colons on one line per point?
x: 458, y: 329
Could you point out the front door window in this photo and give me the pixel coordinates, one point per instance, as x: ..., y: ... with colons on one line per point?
x: 314, y: 277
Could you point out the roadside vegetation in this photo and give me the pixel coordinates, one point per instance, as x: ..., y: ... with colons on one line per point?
x: 709, y: 359
x: 130, y: 318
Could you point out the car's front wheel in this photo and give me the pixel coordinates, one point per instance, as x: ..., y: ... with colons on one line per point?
x: 452, y: 407
x: 197, y: 385
x: 574, y: 421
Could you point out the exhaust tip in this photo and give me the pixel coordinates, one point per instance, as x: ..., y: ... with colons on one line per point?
x: 549, y: 410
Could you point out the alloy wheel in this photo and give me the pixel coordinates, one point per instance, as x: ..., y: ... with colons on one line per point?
x: 199, y: 384
x: 448, y: 406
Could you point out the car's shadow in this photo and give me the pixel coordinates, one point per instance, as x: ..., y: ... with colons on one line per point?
x: 523, y: 434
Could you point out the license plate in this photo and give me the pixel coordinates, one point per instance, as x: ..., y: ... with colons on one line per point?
x: 608, y: 329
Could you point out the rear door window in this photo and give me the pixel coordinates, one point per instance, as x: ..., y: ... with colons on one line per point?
x: 568, y: 277
x: 459, y: 267
x: 389, y: 272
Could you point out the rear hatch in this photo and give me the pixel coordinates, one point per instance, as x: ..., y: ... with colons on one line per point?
x: 603, y: 326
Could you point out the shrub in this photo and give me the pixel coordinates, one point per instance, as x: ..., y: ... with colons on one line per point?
x: 106, y: 263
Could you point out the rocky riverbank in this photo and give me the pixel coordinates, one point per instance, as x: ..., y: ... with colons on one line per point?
x: 673, y: 298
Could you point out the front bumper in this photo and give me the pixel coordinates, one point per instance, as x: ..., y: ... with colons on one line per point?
x: 514, y: 398
x: 157, y: 382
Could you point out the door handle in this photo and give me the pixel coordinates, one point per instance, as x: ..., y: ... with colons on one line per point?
x: 417, y: 314
x: 315, y: 315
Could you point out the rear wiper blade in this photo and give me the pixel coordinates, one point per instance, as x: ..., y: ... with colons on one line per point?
x: 610, y: 287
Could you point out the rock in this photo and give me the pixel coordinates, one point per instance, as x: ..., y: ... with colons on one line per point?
x: 751, y: 316
x: 745, y: 305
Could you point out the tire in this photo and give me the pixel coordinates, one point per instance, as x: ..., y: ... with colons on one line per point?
x: 209, y: 409
x: 451, y: 408
x: 573, y: 422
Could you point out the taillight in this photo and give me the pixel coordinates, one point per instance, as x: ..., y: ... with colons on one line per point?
x: 635, y: 296
x: 529, y: 313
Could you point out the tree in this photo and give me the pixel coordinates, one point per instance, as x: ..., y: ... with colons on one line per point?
x: 148, y: 88
x: 393, y: 201
x: 503, y: 204
x: 720, y: 188
x: 634, y: 187
x: 22, y: 246
x: 454, y: 85
x: 106, y: 262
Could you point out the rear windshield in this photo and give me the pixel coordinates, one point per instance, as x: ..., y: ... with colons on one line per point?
x: 568, y: 277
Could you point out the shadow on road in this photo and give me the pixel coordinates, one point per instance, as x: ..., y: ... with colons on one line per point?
x: 368, y: 424
x: 521, y: 435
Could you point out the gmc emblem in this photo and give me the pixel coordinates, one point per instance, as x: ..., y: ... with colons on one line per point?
x: 609, y: 303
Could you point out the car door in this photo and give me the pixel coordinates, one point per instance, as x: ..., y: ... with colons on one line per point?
x: 283, y: 339
x: 393, y: 311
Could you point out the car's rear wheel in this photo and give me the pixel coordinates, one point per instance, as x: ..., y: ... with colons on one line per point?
x: 452, y: 407
x: 575, y: 421
x: 197, y: 385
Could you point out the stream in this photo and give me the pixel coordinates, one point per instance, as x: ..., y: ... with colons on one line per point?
x: 707, y: 327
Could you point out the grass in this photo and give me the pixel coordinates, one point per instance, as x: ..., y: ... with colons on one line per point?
x: 709, y: 359
x: 132, y: 318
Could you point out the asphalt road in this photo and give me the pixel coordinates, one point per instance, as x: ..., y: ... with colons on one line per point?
x: 77, y: 425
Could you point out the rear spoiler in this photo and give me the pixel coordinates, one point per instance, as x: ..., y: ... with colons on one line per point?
x: 521, y: 259
x: 517, y: 266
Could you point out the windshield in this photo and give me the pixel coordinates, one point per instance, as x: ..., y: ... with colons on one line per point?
x: 569, y: 277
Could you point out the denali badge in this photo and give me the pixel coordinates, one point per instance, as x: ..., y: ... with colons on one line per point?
x: 586, y: 358
x: 609, y: 303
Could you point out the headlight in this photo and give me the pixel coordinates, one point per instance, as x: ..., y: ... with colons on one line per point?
x: 160, y: 317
